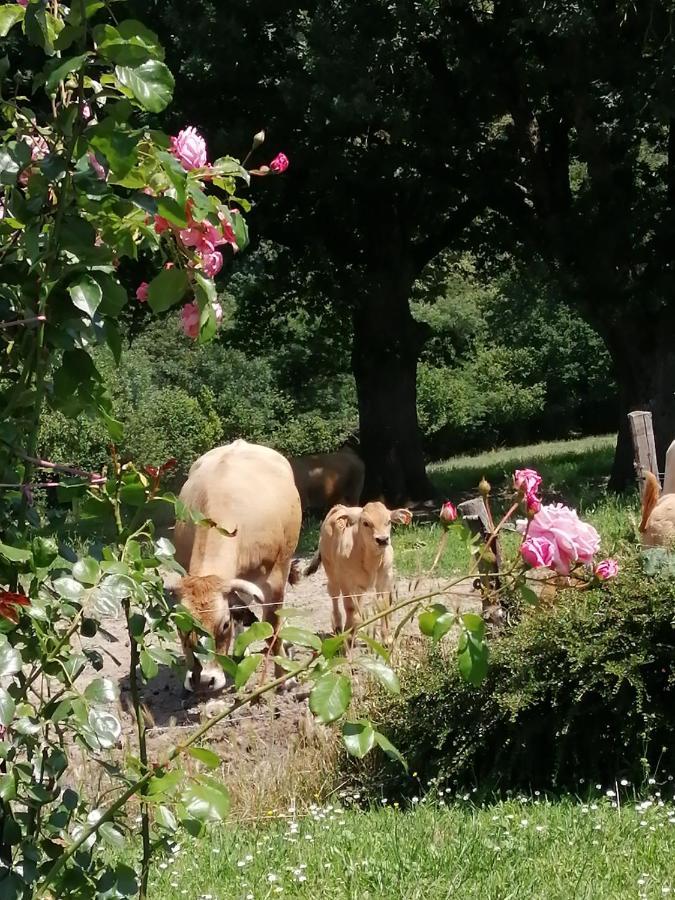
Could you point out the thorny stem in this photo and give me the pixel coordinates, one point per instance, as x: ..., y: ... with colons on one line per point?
x: 142, y: 752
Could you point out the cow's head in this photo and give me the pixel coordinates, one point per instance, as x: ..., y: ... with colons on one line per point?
x: 374, y: 522
x: 218, y: 605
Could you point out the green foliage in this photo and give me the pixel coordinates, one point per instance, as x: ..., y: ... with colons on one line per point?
x: 576, y: 693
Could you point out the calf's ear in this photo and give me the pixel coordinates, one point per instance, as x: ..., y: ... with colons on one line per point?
x: 401, y: 516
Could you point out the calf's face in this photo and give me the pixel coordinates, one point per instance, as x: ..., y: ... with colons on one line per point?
x: 375, y: 524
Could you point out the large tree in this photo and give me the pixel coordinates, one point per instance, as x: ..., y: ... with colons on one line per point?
x: 385, y: 169
x: 587, y: 178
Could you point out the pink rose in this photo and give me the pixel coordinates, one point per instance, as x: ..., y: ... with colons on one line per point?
x: 96, y: 166
x: 212, y: 263
x: 533, y: 502
x: 22, y: 2
x: 190, y: 316
x: 191, y: 236
x: 142, y: 292
x: 537, y: 552
x: 218, y: 309
x: 190, y: 148
x: 279, y: 164
x: 607, y: 568
x: 86, y: 112
x: 526, y: 480
x: 448, y: 513
x: 574, y: 541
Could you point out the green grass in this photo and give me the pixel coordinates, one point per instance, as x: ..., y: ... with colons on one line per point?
x: 574, y: 473
x: 517, y: 849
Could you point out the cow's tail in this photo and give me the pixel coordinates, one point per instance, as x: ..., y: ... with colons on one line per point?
x: 314, y: 564
x: 650, y: 498
x: 295, y: 572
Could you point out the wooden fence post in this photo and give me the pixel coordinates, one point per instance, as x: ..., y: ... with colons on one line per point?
x: 475, y: 514
x: 644, y: 448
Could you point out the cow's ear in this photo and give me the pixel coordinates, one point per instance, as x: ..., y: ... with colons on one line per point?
x: 401, y: 516
x: 349, y: 516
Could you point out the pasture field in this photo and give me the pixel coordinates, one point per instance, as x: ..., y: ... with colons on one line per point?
x: 525, y: 849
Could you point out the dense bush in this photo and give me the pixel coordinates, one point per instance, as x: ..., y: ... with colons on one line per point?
x: 582, y: 690
x: 487, y: 399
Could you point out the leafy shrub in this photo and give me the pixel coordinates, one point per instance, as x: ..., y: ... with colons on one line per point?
x: 582, y: 690
x: 490, y: 397
x: 171, y: 423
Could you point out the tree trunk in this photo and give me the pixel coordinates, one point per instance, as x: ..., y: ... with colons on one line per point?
x: 644, y: 363
x: 387, y: 342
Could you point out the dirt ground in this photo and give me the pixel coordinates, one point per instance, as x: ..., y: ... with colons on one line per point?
x: 254, y: 730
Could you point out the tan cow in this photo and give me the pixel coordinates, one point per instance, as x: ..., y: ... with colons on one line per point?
x: 326, y: 479
x: 658, y: 509
x: 247, y: 490
x: 356, y: 552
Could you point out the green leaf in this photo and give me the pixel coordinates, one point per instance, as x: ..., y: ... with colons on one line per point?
x: 246, y: 668
x: 129, y: 44
x: 528, y: 595
x: 63, y: 68
x: 475, y: 624
x: 118, y: 146
x: 7, y: 706
x: 9, y: 167
x: 386, y: 745
x: 167, y: 289
x: 331, y: 645
x: 106, y: 599
x: 114, y: 297
x: 8, y: 792
x: 472, y: 655
x: 10, y: 14
x: 87, y: 570
x: 112, y: 836
x: 436, y: 622
x: 382, y: 672
x: 379, y: 648
x: 259, y: 631
x: 149, y: 666
x: 14, y: 554
x: 164, y: 549
x: 86, y: 295
x: 172, y: 211
x: 208, y: 757
x: 330, y: 697
x: 207, y: 800
x: 69, y: 589
x: 166, y: 819
x: 300, y: 636
x: 101, y: 690
x: 45, y: 551
x: 133, y: 494
x: 106, y: 727
x: 151, y: 84
x: 359, y: 738
x: 240, y: 228
x: 166, y: 783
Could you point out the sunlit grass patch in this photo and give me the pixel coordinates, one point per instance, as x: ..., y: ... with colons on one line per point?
x: 526, y: 848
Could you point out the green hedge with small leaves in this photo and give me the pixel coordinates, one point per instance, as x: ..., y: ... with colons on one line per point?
x: 579, y: 693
